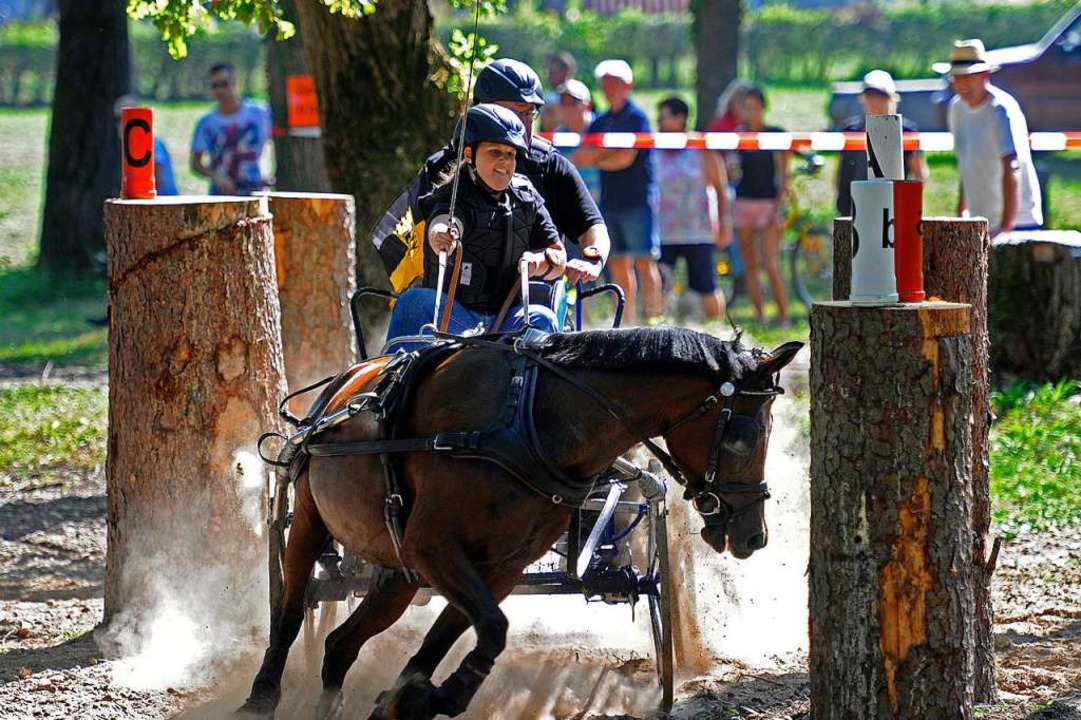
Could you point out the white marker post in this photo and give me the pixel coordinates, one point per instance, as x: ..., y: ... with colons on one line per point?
x: 885, y: 148
x: 873, y: 278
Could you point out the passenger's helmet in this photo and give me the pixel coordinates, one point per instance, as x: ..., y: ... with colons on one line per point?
x: 493, y: 123
x: 508, y: 81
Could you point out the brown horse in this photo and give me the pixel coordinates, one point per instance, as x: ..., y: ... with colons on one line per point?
x: 473, y: 527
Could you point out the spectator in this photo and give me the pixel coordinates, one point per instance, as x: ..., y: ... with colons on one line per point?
x: 879, y: 97
x: 229, y: 140
x: 692, y: 208
x: 628, y: 192
x: 164, y: 180
x: 760, y: 197
x: 728, y: 117
x: 998, y: 179
x: 559, y: 68
x: 729, y: 114
x: 576, y: 114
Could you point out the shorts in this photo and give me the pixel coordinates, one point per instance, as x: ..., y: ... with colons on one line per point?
x: 700, y: 270
x: 754, y: 213
x: 633, y: 232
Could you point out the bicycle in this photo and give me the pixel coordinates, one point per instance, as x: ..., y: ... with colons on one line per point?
x: 810, y: 252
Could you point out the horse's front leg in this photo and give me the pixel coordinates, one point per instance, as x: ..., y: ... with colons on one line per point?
x: 447, y: 567
x: 388, y: 596
x: 307, y: 538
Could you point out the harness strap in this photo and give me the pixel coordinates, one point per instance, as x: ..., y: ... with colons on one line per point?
x: 440, y: 441
x: 506, y: 305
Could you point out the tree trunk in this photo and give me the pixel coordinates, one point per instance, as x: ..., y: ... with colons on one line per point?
x: 385, y: 73
x: 314, y: 253
x: 195, y: 374
x: 891, y: 627
x: 716, y: 39
x: 955, y: 259
x: 299, y: 162
x: 1035, y: 300
x: 93, y: 70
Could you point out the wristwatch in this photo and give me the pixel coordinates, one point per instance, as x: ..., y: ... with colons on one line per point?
x: 591, y: 253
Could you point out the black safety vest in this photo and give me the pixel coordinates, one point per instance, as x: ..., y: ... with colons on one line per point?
x: 496, y: 235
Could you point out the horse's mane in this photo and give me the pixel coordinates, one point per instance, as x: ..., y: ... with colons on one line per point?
x: 652, y: 348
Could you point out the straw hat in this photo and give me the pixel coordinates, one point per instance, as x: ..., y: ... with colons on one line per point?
x: 967, y: 57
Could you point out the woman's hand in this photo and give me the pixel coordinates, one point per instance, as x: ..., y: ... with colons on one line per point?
x: 547, y: 264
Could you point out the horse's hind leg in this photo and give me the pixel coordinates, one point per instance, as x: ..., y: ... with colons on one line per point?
x: 388, y: 596
x: 307, y: 538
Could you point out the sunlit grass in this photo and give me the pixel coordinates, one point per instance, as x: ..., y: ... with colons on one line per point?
x: 1036, y: 455
x: 46, y: 429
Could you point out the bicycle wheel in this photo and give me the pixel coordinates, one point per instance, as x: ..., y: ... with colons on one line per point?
x: 660, y: 605
x: 811, y: 266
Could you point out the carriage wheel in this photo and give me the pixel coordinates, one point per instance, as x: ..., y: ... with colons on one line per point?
x: 660, y: 604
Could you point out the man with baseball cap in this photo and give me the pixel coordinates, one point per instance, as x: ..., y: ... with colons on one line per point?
x: 990, y: 134
x: 628, y: 191
x: 513, y: 85
x: 879, y: 97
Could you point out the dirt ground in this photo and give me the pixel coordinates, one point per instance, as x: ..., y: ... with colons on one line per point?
x: 52, y: 561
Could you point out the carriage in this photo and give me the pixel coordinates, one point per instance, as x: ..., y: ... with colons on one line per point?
x: 598, y: 555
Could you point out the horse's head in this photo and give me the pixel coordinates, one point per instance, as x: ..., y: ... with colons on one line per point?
x: 721, y: 450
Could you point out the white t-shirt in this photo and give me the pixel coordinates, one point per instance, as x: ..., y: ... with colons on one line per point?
x: 983, y: 136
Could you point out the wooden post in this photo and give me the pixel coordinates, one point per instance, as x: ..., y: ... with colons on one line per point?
x: 195, y: 374
x: 315, y: 255
x: 891, y: 627
x: 1034, y: 293
x: 955, y: 263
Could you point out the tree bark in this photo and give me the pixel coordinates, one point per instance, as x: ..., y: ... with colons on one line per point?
x: 195, y: 374
x: 385, y: 74
x: 955, y: 261
x: 299, y: 162
x: 93, y: 70
x: 891, y: 627
x: 314, y: 254
x: 716, y: 40
x: 1035, y: 302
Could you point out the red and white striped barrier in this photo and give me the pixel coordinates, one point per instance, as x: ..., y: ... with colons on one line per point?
x: 817, y: 141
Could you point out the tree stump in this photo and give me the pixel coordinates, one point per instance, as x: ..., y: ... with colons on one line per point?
x: 955, y: 265
x: 1035, y: 299
x: 315, y: 257
x: 891, y: 627
x: 195, y: 374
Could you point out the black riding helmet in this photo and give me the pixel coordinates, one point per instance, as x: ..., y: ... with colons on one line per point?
x: 508, y: 81
x: 488, y: 122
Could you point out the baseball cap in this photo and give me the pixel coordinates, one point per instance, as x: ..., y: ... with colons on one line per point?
x: 880, y: 81
x: 576, y: 89
x: 616, y: 68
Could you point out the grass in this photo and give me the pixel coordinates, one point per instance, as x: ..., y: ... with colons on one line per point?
x: 45, y: 321
x: 1036, y: 455
x: 47, y: 429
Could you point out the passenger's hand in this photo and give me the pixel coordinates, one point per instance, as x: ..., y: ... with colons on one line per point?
x: 536, y: 263
x: 582, y: 270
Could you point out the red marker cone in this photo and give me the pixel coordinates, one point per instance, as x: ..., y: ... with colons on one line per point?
x: 137, y: 144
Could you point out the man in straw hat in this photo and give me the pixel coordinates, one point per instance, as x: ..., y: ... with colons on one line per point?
x: 998, y: 180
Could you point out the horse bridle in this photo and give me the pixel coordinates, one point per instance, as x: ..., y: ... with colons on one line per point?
x: 708, y: 499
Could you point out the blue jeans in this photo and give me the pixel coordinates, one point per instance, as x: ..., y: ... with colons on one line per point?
x: 633, y: 232
x: 415, y: 309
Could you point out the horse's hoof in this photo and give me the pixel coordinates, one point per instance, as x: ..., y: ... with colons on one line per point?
x: 409, y: 699
x: 260, y: 707
x: 331, y: 705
